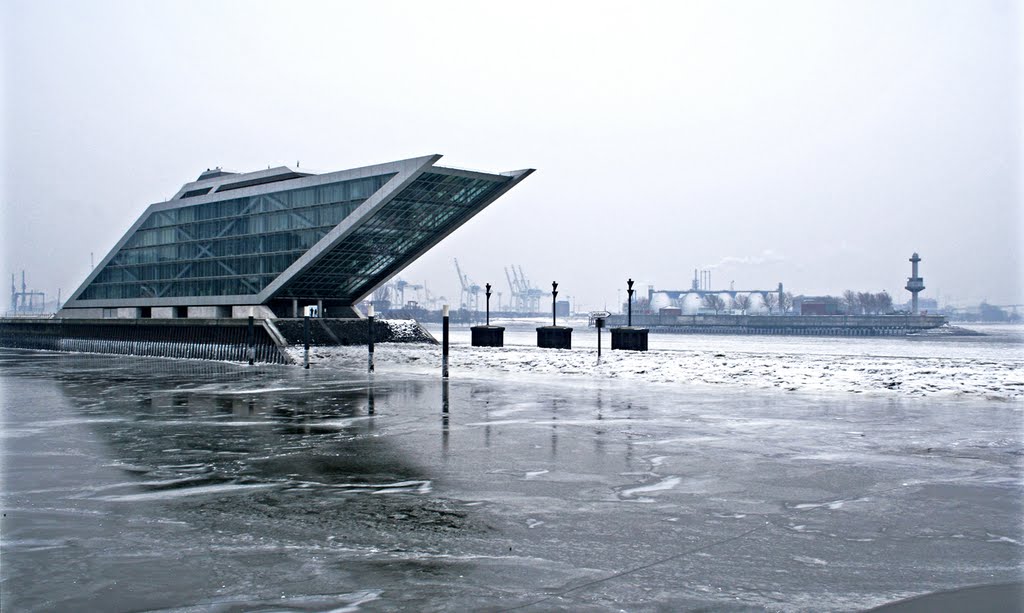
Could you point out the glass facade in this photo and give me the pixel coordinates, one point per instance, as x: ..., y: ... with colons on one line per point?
x: 229, y: 247
x: 428, y: 208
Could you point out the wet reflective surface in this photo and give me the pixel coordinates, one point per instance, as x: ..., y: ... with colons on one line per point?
x: 145, y: 484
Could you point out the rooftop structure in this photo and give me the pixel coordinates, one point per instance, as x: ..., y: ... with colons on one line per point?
x: 272, y: 242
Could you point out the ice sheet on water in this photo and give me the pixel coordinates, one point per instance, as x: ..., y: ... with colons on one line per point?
x: 890, y: 375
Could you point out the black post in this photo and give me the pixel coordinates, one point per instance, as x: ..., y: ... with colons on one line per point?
x: 444, y: 417
x: 629, y: 292
x: 305, y: 335
x: 251, y: 338
x: 369, y: 344
x: 444, y: 342
x: 488, y: 286
x: 600, y: 324
x: 554, y: 295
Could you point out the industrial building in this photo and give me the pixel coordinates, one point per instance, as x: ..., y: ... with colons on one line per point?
x: 271, y: 243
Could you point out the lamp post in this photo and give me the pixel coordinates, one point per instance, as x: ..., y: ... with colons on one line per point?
x: 554, y: 309
x: 628, y: 337
x: 629, y: 299
x: 487, y: 335
x: 554, y: 336
x: 488, y: 294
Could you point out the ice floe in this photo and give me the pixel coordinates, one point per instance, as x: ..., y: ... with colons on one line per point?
x: 894, y: 375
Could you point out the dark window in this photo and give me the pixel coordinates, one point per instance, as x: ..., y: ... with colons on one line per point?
x: 192, y: 193
x: 227, y: 187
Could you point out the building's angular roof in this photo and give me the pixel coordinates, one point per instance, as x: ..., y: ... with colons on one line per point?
x: 231, y: 238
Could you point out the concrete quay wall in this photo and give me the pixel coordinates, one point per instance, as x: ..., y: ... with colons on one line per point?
x: 792, y: 325
x: 204, y: 339
x: 214, y: 339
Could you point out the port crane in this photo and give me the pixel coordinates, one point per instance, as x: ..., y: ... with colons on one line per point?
x: 524, y: 298
x: 469, y: 298
x: 25, y: 301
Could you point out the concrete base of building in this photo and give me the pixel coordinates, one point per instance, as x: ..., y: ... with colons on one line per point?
x: 257, y: 311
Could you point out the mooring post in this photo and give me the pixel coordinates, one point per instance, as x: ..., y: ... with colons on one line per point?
x: 305, y: 335
x: 444, y: 417
x: 369, y: 319
x: 444, y: 342
x: 444, y: 396
x: 252, y: 340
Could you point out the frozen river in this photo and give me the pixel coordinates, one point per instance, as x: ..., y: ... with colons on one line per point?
x: 134, y: 484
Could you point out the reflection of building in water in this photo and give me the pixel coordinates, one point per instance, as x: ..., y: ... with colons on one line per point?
x: 321, y: 435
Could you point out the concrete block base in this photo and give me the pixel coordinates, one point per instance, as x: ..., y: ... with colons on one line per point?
x: 629, y: 338
x: 554, y: 337
x: 487, y: 336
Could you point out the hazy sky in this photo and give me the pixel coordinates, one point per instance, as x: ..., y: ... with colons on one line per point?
x: 814, y: 143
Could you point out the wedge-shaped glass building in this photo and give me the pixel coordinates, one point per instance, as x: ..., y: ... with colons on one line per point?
x: 272, y: 242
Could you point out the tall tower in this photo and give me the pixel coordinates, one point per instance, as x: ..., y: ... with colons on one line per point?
x: 915, y: 283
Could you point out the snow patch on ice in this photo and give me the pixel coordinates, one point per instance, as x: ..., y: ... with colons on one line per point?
x: 188, y: 491
x: 810, y: 372
x: 665, y: 484
x: 995, y: 538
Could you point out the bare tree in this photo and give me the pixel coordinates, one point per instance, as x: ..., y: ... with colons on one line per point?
x: 713, y: 301
x: 883, y: 301
x: 786, y: 302
x: 866, y: 300
x: 771, y: 300
x: 852, y: 302
x: 742, y: 302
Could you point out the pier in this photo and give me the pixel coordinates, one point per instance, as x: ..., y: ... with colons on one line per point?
x: 201, y: 339
x: 788, y: 325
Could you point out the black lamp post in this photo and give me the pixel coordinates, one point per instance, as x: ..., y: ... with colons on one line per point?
x: 629, y: 284
x: 487, y: 335
x: 554, y: 310
x: 488, y: 294
x: 554, y: 336
x: 628, y: 337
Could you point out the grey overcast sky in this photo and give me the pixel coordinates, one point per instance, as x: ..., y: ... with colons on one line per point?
x: 814, y: 143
